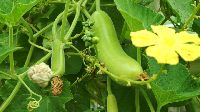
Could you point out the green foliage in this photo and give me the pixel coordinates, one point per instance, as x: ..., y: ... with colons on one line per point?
x: 136, y: 16
x: 182, y: 8
x: 12, y: 10
x: 83, y: 86
x: 173, y: 86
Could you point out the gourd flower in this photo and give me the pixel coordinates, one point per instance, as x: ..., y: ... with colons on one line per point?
x: 165, y: 45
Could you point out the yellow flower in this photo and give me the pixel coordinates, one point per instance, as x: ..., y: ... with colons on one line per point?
x: 165, y: 44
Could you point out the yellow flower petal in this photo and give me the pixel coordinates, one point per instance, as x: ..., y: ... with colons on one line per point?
x: 143, y: 38
x: 185, y: 37
x: 163, y: 31
x: 189, y: 52
x: 163, y: 54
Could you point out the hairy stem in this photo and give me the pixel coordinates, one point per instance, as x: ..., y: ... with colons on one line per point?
x: 74, y: 22
x: 40, y: 47
x: 87, y: 14
x: 11, y: 45
x: 30, y: 91
x: 65, y: 22
x: 137, y: 99
x: 139, y: 55
x: 109, y: 90
x: 9, y: 99
x: 147, y: 99
x: 30, y: 34
x: 98, y: 6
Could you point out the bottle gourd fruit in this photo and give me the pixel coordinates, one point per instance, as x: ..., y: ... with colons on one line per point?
x: 110, y: 52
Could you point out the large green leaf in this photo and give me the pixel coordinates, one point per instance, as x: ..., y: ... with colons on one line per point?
x: 5, y: 50
x: 182, y: 8
x: 174, y: 86
x: 12, y: 10
x: 136, y: 16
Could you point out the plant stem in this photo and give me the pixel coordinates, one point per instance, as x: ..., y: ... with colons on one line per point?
x: 42, y: 30
x: 11, y: 45
x: 87, y: 14
x: 54, y: 28
x: 137, y: 99
x: 158, y: 109
x: 80, y: 79
x: 6, y: 74
x: 92, y: 7
x: 109, y: 90
x: 30, y: 91
x: 191, y: 17
x: 40, y: 47
x: 74, y: 22
x: 28, y: 58
x: 139, y: 55
x: 98, y: 6
x: 147, y: 99
x: 30, y: 34
x: 65, y: 23
x: 77, y: 35
x: 9, y: 99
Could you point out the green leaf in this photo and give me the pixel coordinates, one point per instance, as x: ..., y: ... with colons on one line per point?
x: 5, y: 50
x: 73, y: 64
x: 136, y: 16
x: 81, y: 101
x: 12, y: 10
x: 174, y: 86
x: 182, y: 8
x: 56, y: 103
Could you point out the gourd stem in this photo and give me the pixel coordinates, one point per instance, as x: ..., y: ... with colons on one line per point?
x: 137, y: 99
x: 30, y: 34
x: 92, y: 7
x: 65, y: 22
x: 87, y: 14
x: 158, y: 109
x: 139, y: 55
x: 30, y: 91
x: 147, y: 100
x: 12, y: 95
x: 74, y: 22
x: 42, y: 30
x: 40, y: 47
x: 54, y: 28
x: 11, y: 45
x: 98, y: 6
x: 109, y: 90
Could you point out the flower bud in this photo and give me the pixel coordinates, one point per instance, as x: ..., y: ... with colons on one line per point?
x: 40, y: 74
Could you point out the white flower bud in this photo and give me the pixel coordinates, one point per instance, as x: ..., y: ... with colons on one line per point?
x: 40, y: 74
